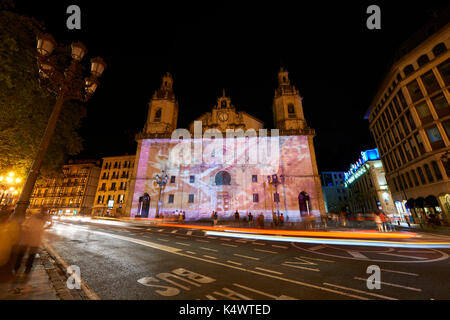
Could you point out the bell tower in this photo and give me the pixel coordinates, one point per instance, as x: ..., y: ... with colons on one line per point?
x: 162, y: 111
x: 287, y: 107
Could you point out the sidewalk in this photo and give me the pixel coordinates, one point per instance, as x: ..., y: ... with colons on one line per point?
x: 45, y: 282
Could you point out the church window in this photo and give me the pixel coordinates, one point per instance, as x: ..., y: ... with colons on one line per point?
x: 291, y: 110
x: 172, y: 179
x: 254, y: 178
x: 223, y: 178
x: 158, y: 115
x: 255, y: 197
x: 171, y: 198
x: 191, y: 198
x: 191, y: 179
x: 223, y: 104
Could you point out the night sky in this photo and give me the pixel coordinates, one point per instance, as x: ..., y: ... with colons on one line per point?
x: 332, y: 58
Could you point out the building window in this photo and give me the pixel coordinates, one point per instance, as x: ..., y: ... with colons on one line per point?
x: 99, y: 199
x: 408, y: 178
x: 223, y: 178
x: 435, y: 138
x: 411, y: 122
x: 424, y: 112
x: 191, y: 198
x: 405, y: 126
x: 446, y: 126
x: 439, y: 49
x: 444, y: 70
x: 414, y: 176
x: 103, y: 188
x: 414, y: 91
x: 430, y: 82
x: 420, y: 143
x: 106, y: 165
x: 254, y: 178
x: 157, y: 117
x: 120, y: 199
x: 441, y: 105
x: 291, y: 110
x: 428, y: 172
x: 423, y: 59
x: 255, y: 197
x: 437, y: 171
x: 408, y: 69
x: 171, y: 197
x: 113, y: 186
x: 172, y: 179
x: 191, y: 179
x: 421, y: 176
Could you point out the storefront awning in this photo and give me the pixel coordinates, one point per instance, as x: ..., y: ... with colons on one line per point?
x: 431, y: 201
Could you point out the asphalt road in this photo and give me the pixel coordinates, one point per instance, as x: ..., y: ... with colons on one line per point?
x: 125, y: 261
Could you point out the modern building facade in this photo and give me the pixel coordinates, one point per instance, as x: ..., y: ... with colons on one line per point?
x: 335, y: 193
x: 113, y: 186
x: 72, y: 193
x: 223, y: 161
x: 366, y: 181
x: 410, y: 121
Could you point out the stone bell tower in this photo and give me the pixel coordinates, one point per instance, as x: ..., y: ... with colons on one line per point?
x: 162, y: 111
x: 287, y: 107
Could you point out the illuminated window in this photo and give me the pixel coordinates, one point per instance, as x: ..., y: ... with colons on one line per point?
x: 120, y: 199
x: 191, y: 198
x: 435, y: 138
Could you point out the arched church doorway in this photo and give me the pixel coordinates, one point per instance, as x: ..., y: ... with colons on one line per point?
x: 304, y: 204
x: 145, y: 205
x: 223, y: 178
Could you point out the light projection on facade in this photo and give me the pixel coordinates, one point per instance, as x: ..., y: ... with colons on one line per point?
x: 221, y: 164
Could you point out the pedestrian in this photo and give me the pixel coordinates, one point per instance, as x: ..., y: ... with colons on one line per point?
x: 32, y: 230
x: 324, y: 220
x: 184, y: 216
x: 407, y: 221
x: 383, y: 221
x: 216, y: 217
x: 274, y: 219
x: 377, y: 220
x: 281, y: 220
x: 9, y: 237
x: 236, y: 217
x: 250, y: 218
x: 213, y: 218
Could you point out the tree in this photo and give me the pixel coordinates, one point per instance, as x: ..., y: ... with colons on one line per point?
x: 25, y: 107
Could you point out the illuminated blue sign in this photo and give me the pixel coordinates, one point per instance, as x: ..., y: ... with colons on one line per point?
x: 368, y: 155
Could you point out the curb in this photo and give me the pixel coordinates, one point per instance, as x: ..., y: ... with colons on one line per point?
x: 84, y: 286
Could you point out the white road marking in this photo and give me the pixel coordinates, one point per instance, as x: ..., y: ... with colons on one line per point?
x: 191, y: 252
x: 183, y: 244
x: 300, y: 267
x: 242, y: 256
x: 392, y: 285
x: 174, y: 231
x: 160, y: 230
x: 316, y: 259
x: 202, y: 240
x: 180, y: 253
x: 259, y: 244
x: 179, y: 237
x: 233, y: 262
x: 414, y: 251
x: 209, y: 249
x: 402, y: 256
x: 163, y: 239
x: 356, y: 254
x: 401, y: 272
x: 281, y: 247
x: 268, y: 251
x: 316, y: 247
x: 267, y: 270
x: 210, y: 257
x: 189, y: 233
x: 360, y: 291
x: 229, y: 245
x: 256, y: 291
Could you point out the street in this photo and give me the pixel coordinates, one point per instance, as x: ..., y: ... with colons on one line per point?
x: 126, y: 261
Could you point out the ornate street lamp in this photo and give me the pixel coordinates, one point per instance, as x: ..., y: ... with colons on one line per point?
x: 65, y: 85
x: 274, y: 180
x: 161, y: 181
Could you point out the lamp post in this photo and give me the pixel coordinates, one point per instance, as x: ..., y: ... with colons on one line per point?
x: 66, y: 85
x: 161, y: 181
x: 274, y: 180
x: 9, y: 188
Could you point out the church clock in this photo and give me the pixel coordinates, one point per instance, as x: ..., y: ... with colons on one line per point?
x: 223, y: 116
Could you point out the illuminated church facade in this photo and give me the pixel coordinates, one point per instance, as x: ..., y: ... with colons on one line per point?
x: 222, y: 162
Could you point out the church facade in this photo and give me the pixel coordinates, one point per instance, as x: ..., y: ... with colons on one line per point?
x: 226, y: 161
